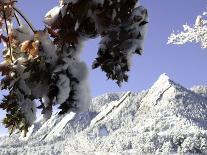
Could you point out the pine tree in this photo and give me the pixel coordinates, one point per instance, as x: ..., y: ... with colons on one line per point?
x: 45, y: 65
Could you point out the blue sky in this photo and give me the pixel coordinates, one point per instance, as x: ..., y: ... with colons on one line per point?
x: 185, y: 64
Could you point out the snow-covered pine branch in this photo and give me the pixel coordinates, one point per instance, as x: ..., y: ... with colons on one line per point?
x: 196, y: 33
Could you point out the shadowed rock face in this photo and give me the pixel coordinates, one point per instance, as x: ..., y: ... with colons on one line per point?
x: 167, y: 118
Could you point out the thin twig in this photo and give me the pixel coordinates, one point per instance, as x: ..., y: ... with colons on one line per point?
x: 17, y: 19
x: 25, y: 19
x: 7, y: 31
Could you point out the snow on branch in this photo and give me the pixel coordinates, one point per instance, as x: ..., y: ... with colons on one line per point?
x: 45, y: 65
x: 196, y: 33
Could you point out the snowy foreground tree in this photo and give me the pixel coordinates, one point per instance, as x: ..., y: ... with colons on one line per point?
x: 196, y: 33
x: 45, y: 64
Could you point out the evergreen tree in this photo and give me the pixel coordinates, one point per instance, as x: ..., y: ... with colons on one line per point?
x: 46, y: 65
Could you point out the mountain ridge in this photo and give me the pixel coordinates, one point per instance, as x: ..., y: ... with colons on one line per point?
x: 167, y: 118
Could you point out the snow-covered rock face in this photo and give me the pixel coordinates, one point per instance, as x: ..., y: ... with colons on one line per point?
x: 202, y: 90
x: 167, y: 118
x: 102, y: 101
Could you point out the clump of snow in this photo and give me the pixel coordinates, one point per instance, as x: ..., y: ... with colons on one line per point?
x: 49, y: 49
x: 22, y: 33
x: 28, y: 108
x: 83, y: 95
x: 64, y: 88
x: 68, y: 1
x: 52, y: 15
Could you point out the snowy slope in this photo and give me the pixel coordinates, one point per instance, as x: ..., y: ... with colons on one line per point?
x: 167, y: 118
x: 103, y: 100
x: 105, y: 110
x: 202, y: 90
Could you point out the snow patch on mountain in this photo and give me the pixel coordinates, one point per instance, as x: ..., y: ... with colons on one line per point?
x: 109, y: 109
x: 60, y: 126
x: 202, y: 90
x: 102, y: 101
